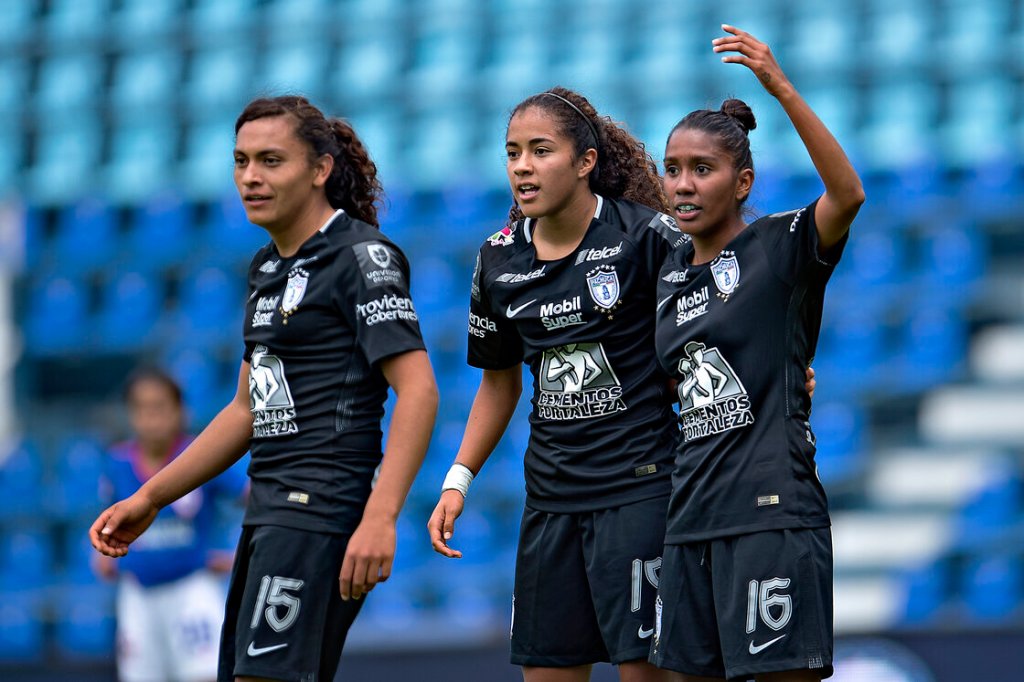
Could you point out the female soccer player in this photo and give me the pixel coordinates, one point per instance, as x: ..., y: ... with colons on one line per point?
x: 568, y: 288
x: 746, y: 580
x: 329, y: 326
x: 169, y: 594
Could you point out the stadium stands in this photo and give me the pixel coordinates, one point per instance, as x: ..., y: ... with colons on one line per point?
x: 118, y: 134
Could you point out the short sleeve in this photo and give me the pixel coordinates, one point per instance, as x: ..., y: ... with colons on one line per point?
x: 494, y: 342
x: 372, y: 290
x: 659, y: 237
x: 791, y: 240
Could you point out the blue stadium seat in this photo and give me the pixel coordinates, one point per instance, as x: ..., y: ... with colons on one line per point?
x: 68, y: 82
x: 207, y: 387
x: 19, y: 25
x: 130, y: 306
x: 900, y: 118
x: 86, y: 237
x: 295, y: 69
x: 12, y: 161
x: 227, y: 236
x: 14, y: 83
x: 146, y: 81
x: 55, y: 321
x: 142, y: 154
x: 993, y: 588
x: 927, y: 589
x: 976, y: 109
x: 27, y: 557
x: 74, y: 490
x: 70, y: 21
x: 212, y: 19
x: 821, y: 42
x: 892, y: 32
x: 440, y: 128
x: 206, y: 170
x: 209, y: 307
x: 22, y: 627
x: 954, y: 259
x: 21, y: 480
x: 993, y: 509
x: 141, y: 22
x: 840, y: 437
x: 933, y: 344
x: 85, y: 622
x: 218, y: 85
x: 161, y: 233
x: 444, y: 59
x: 367, y: 67
x: 962, y: 47
x: 65, y: 162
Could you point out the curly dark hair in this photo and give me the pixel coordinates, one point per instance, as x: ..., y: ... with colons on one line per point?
x: 353, y: 184
x: 624, y: 167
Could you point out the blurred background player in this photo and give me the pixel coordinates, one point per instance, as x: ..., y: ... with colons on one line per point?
x: 171, y: 587
x: 329, y: 327
x: 746, y: 583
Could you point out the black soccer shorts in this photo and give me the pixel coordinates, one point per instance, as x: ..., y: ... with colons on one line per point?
x: 586, y: 583
x: 747, y: 604
x: 285, y: 618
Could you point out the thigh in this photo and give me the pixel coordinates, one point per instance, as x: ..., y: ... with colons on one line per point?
x: 193, y: 612
x: 622, y: 548
x: 141, y: 654
x: 685, y: 623
x: 553, y: 619
x: 289, y: 619
x: 773, y: 592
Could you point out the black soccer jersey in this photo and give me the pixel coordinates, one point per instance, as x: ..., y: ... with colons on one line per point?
x: 316, y: 325
x: 737, y: 334
x: 601, y: 426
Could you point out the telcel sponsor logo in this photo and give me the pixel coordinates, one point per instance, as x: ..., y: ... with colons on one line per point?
x: 513, y: 277
x: 689, y: 307
x: 566, y: 313
x: 479, y: 325
x: 587, y: 255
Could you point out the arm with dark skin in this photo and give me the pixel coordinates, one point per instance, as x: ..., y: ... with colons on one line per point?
x: 844, y: 193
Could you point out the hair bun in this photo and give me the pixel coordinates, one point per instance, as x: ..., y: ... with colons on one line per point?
x: 738, y: 110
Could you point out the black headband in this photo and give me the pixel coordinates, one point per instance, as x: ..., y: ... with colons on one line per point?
x: 593, y: 129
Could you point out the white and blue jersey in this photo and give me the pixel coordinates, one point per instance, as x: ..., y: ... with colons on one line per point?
x: 181, y: 537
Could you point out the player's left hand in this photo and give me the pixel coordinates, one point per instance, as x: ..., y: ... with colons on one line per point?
x: 810, y: 383
x: 753, y: 54
x: 368, y: 558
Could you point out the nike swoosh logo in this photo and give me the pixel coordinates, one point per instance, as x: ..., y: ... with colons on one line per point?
x: 761, y: 647
x: 253, y: 651
x: 644, y: 634
x: 665, y: 300
x: 511, y: 312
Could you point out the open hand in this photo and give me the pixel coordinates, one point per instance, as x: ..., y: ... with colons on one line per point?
x: 753, y: 54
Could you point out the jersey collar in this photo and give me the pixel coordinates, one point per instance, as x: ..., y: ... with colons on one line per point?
x: 326, y: 226
x: 528, y: 223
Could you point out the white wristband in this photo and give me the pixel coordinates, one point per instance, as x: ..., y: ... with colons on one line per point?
x: 458, y: 478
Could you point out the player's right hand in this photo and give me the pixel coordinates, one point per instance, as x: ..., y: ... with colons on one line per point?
x: 119, y: 525
x: 442, y: 522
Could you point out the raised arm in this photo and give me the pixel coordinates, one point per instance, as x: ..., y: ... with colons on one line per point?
x: 219, y: 446
x: 844, y: 192
x: 495, y: 402
x: 371, y: 549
